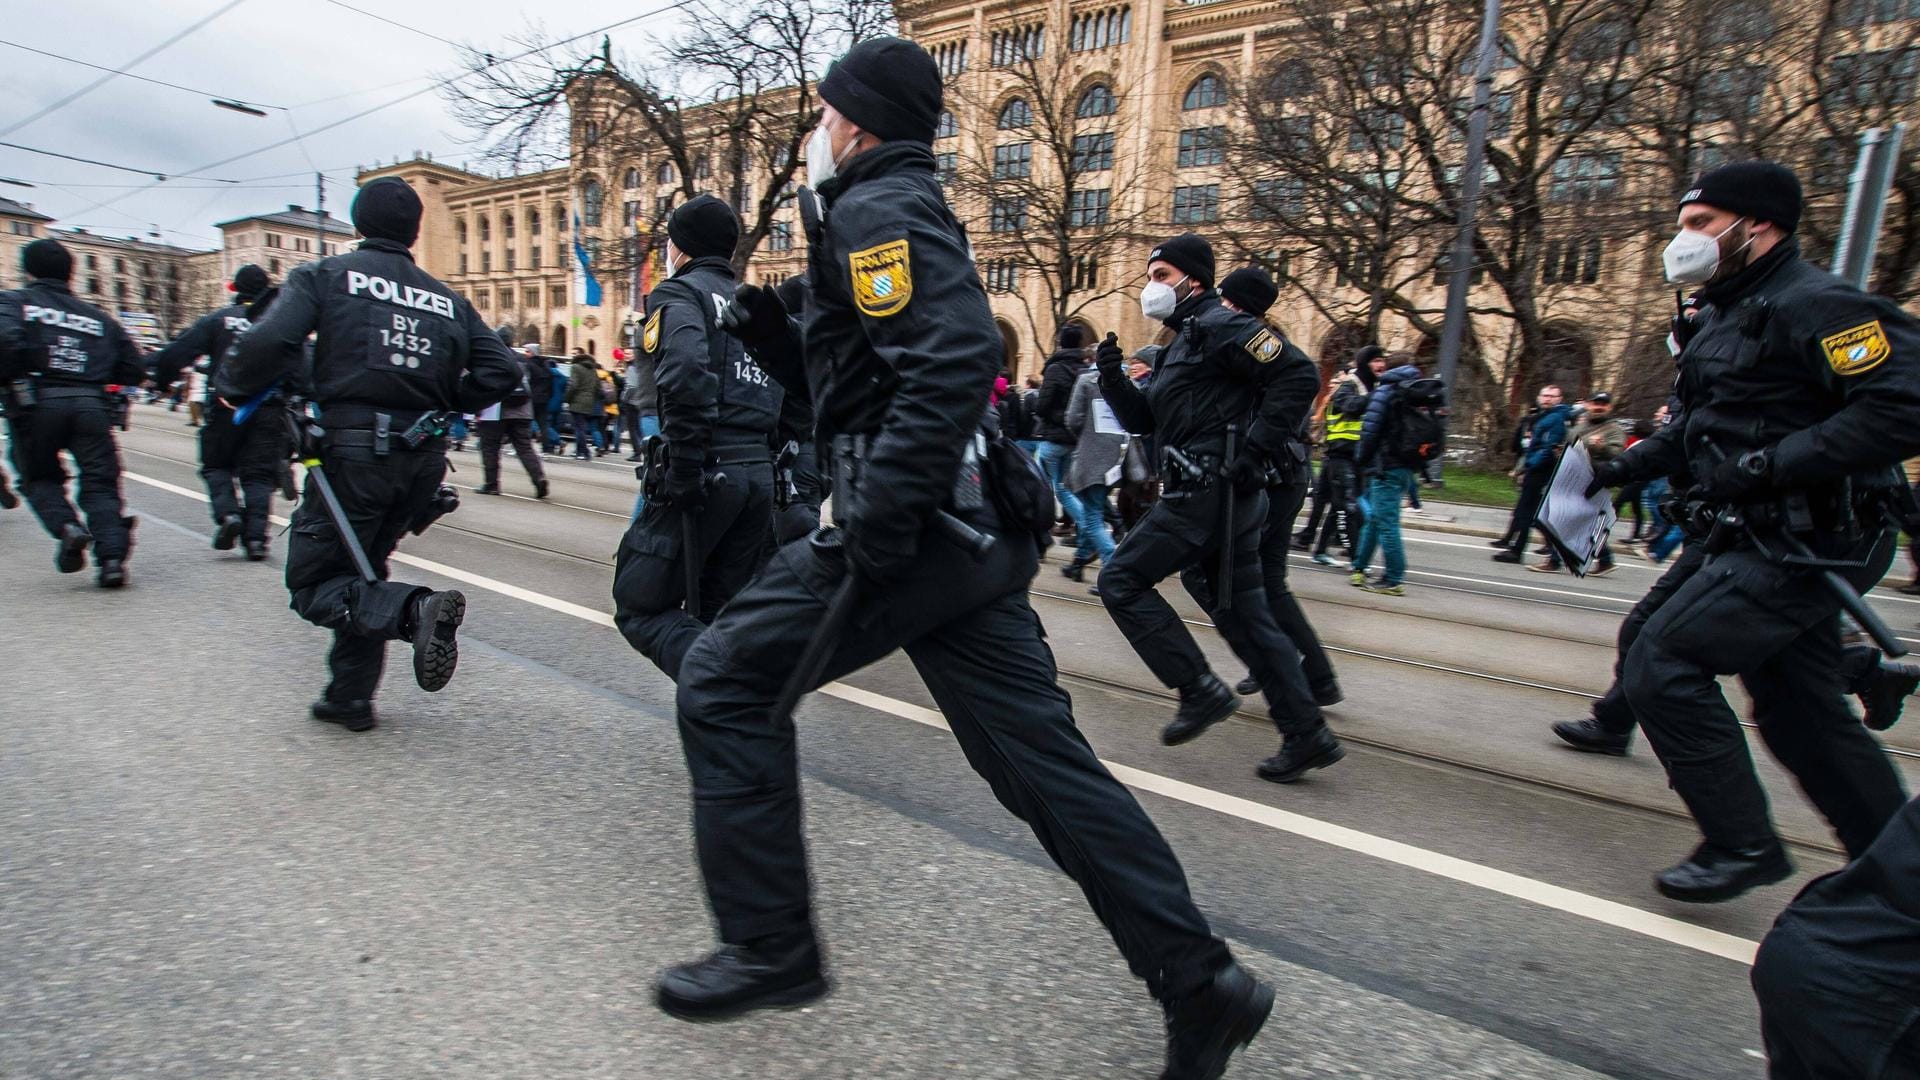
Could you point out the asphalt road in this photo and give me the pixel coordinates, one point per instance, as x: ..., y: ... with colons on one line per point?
x: 197, y: 881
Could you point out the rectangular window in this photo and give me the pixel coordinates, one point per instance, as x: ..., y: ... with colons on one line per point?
x: 463, y: 262
x: 1090, y: 207
x: 530, y: 298
x: 486, y: 262
x: 1279, y: 200
x: 1013, y: 161
x: 273, y: 240
x: 662, y: 207
x: 946, y: 166
x: 1086, y: 273
x: 1092, y: 153
x: 557, y: 296
x: 1443, y: 270
x: 1203, y: 146
x: 1866, y: 80
x: 780, y: 237
x: 1730, y: 94
x: 1007, y: 216
x: 1499, y: 116
x: 533, y: 257
x: 1377, y: 128
x: 483, y: 298
x: 511, y: 260
x: 1000, y: 275
x: 1196, y: 205
x: 630, y: 212
x: 1584, y: 178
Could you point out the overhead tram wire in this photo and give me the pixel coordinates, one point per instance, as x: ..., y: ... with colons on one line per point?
x: 114, y: 73
x: 162, y: 176
x: 138, y: 78
x: 429, y: 88
x: 391, y: 22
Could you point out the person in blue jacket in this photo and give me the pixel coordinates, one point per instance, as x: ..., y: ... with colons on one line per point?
x: 1387, y: 480
x: 1541, y: 453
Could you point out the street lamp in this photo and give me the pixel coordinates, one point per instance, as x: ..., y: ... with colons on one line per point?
x: 238, y: 106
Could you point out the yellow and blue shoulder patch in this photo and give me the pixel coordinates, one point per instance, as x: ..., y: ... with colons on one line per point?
x: 1264, y: 346
x: 650, y: 337
x: 1856, y: 349
x: 882, y: 279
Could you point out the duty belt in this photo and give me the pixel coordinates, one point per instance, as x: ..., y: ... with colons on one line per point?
x: 55, y: 393
x: 363, y: 439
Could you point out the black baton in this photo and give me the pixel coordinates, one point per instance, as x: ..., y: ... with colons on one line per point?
x: 1223, y: 583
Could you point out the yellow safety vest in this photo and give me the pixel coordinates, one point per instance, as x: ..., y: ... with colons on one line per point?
x: 1341, y: 427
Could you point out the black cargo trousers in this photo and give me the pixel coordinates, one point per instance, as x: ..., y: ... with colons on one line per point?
x: 78, y: 420
x: 1276, y: 547
x: 970, y: 633
x: 649, y: 571
x: 241, y: 464
x: 1778, y: 629
x: 1180, y: 533
x: 382, y: 496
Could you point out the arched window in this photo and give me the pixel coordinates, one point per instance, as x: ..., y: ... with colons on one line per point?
x: 533, y: 222
x: 560, y: 218
x: 1097, y: 101
x: 486, y: 229
x: 591, y: 200
x: 1016, y: 114
x: 1292, y: 80
x: 1205, y: 92
x: 460, y: 230
x: 665, y: 173
x: 632, y: 179
x: 506, y: 224
x: 948, y: 128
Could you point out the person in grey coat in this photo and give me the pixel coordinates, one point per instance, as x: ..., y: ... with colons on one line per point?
x: 1103, y: 456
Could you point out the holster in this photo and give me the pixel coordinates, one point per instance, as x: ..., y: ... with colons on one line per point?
x: 967, y: 496
x: 785, y: 491
x: 1184, y: 473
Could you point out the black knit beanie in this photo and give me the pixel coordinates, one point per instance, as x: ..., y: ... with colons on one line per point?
x: 1251, y: 289
x: 47, y: 258
x: 1762, y: 190
x: 249, y: 282
x: 1190, y: 254
x: 704, y: 226
x: 388, y: 209
x: 1071, y: 336
x: 888, y: 87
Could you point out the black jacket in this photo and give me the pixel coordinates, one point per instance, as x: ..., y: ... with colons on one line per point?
x: 210, y: 336
x: 388, y: 336
x: 899, y: 342
x: 1063, y: 369
x: 710, y: 393
x: 47, y: 333
x: 1223, y: 367
x: 1787, y: 356
x: 539, y: 381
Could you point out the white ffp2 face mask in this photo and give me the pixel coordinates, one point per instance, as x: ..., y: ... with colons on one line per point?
x: 1157, y: 300
x: 1692, y: 258
x: 822, y: 164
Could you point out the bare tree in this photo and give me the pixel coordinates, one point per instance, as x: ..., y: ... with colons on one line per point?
x: 1046, y: 169
x: 725, y: 106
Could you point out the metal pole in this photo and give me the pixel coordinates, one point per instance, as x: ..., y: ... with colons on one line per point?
x: 1867, y: 204
x: 319, y: 216
x: 1460, y: 267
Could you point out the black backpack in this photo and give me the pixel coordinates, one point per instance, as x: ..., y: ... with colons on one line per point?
x: 1417, y: 431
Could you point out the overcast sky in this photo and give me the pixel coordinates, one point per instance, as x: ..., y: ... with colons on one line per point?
x: 292, y: 53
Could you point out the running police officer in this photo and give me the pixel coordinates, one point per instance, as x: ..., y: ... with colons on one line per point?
x: 1801, y: 396
x: 249, y: 456
x: 395, y: 350
x: 718, y: 408
x: 57, y: 357
x: 1224, y: 368
x: 898, y: 326
x: 1251, y: 290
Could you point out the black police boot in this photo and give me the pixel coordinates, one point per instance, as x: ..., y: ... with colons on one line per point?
x: 1204, y: 1029
x: 1301, y: 754
x: 1203, y: 703
x: 112, y: 574
x: 540, y: 488
x: 1887, y: 699
x: 1247, y: 687
x: 1075, y: 570
x: 779, y: 972
x: 227, y: 533
x: 352, y: 715
x: 1715, y: 874
x: 71, y: 556
x: 1328, y: 695
x: 256, y: 550
x: 1590, y: 736
x: 436, y: 620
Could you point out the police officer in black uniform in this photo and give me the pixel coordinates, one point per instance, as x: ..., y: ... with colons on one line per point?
x: 901, y: 353
x: 1801, y: 395
x: 718, y: 410
x: 394, y: 351
x: 241, y: 463
x: 1252, y: 290
x: 57, y: 357
x: 1223, y: 368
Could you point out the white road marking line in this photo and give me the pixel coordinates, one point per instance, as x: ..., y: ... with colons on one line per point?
x: 1607, y: 912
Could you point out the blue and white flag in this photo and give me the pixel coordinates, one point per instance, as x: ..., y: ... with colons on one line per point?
x: 586, y: 287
